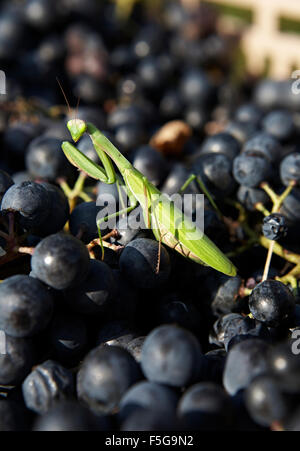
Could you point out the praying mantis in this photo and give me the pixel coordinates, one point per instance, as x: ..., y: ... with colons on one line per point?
x: 162, y: 216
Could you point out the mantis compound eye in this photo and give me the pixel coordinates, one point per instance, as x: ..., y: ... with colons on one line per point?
x: 76, y: 127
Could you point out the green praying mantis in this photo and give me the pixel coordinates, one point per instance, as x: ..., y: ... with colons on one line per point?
x: 162, y: 216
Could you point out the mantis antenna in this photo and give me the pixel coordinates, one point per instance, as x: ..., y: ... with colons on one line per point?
x: 66, y: 99
x: 64, y: 94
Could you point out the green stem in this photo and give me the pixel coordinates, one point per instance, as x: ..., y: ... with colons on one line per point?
x: 291, y: 279
x: 79, y: 184
x: 65, y: 187
x: 85, y: 197
x: 77, y: 191
x: 280, y: 251
x: 272, y: 195
x: 288, y: 256
x: 208, y: 195
x: 259, y: 207
x: 284, y: 195
x: 242, y: 249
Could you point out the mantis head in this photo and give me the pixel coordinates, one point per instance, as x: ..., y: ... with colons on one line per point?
x: 76, y: 127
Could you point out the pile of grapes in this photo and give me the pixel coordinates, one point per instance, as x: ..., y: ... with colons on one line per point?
x: 123, y: 333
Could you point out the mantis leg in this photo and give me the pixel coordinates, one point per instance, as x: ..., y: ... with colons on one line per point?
x: 106, y: 161
x: 133, y: 204
x: 146, y: 191
x: 120, y: 186
x: 105, y: 174
x: 203, y: 188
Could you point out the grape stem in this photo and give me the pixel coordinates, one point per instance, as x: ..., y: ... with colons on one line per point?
x: 76, y: 192
x: 254, y: 238
x: 277, y: 203
x: 268, y: 261
x: 96, y: 242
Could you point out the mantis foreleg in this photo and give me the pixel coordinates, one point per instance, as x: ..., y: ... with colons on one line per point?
x: 203, y: 188
x: 77, y: 158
